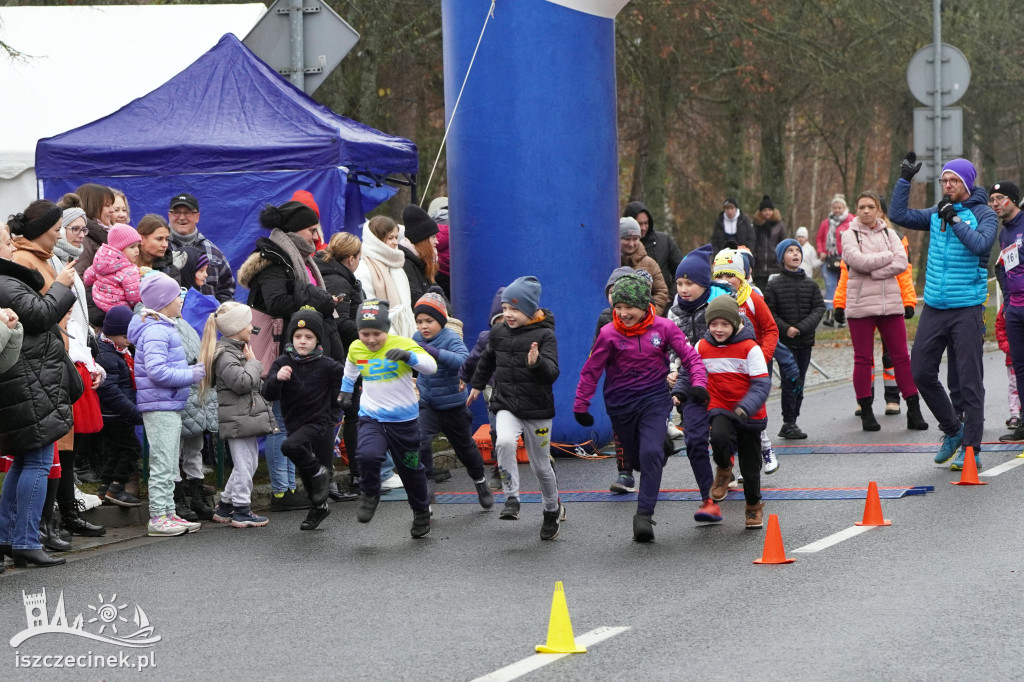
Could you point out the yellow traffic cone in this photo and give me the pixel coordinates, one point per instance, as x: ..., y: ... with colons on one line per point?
x: 560, y: 637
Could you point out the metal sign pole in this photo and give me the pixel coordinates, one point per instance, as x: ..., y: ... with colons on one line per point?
x: 298, y: 74
x: 937, y: 105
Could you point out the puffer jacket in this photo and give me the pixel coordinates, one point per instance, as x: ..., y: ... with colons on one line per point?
x: 242, y: 411
x: 117, y: 392
x: 440, y: 390
x: 339, y: 280
x: 415, y: 271
x: 639, y: 260
x: 795, y: 301
x: 767, y: 235
x: 113, y: 279
x: 691, y: 321
x: 10, y: 345
x: 162, y: 376
x: 660, y: 246
x: 873, y: 257
x: 522, y: 389
x: 200, y: 413
x: 744, y: 235
x: 37, y: 391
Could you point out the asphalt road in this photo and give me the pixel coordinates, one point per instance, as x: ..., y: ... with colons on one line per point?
x: 934, y: 596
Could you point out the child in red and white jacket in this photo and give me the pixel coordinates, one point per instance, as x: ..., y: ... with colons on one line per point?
x: 738, y: 384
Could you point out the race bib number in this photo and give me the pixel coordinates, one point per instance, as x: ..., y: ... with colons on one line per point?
x: 1010, y: 257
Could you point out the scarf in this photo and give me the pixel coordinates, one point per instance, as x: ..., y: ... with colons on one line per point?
x: 379, y: 259
x: 300, y: 254
x: 65, y: 251
x: 128, y: 359
x: 314, y: 354
x: 730, y: 225
x: 690, y: 306
x: 640, y: 327
x: 834, y: 221
x: 743, y: 293
x: 185, y: 239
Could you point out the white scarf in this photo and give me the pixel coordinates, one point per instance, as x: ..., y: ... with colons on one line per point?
x: 730, y: 225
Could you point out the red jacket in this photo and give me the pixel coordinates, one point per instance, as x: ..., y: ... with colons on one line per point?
x: 766, y: 332
x: 1004, y: 343
x: 821, y: 238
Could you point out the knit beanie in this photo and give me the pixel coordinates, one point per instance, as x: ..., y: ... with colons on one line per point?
x: 121, y: 237
x: 233, y: 320
x: 70, y: 215
x: 801, y: 232
x: 418, y: 225
x: 730, y: 262
x: 115, y: 323
x: 616, y: 274
x: 632, y: 290
x: 628, y: 227
x: 373, y: 314
x: 158, y: 290
x: 723, y: 308
x: 780, y: 250
x: 696, y: 266
x: 964, y: 170
x: 291, y: 216
x: 304, y: 197
x: 523, y: 295
x: 305, y: 318
x: 432, y: 303
x: 1007, y: 189
x: 766, y: 202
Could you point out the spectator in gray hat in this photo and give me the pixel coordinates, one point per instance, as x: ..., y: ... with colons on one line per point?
x: 183, y: 217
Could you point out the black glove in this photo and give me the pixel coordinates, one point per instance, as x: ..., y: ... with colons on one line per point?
x: 700, y: 396
x: 908, y: 312
x: 908, y: 169
x: 584, y: 418
x: 399, y: 355
x: 344, y: 400
x: 839, y: 315
x: 947, y: 212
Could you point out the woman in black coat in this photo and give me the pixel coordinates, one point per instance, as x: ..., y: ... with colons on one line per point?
x: 421, y: 260
x: 36, y: 395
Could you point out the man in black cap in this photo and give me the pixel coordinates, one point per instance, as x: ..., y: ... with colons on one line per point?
x: 1004, y: 198
x: 183, y: 217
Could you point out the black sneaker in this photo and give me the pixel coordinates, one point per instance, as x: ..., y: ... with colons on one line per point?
x: 320, y: 486
x: 420, y: 523
x: 289, y: 501
x: 552, y: 523
x: 315, y: 516
x: 484, y: 494
x: 791, y: 431
x: 1015, y: 436
x: 336, y: 494
x: 510, y: 512
x: 643, y: 528
x: 116, y: 495
x: 367, y: 508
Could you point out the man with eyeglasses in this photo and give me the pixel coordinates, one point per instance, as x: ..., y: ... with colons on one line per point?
x: 962, y: 229
x: 183, y: 216
x: 1004, y: 198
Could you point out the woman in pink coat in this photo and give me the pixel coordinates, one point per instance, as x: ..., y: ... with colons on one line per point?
x: 113, y: 275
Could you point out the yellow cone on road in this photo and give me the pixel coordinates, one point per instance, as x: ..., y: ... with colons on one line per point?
x: 560, y: 637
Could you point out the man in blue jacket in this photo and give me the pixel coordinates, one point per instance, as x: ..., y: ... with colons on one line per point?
x: 962, y: 229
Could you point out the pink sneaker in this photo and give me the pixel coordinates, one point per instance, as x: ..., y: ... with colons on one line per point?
x: 164, y: 526
x: 190, y: 526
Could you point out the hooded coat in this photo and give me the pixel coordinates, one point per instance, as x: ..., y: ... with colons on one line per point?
x: 162, y: 375
x: 639, y: 260
x: 767, y: 235
x: 659, y: 245
x: 242, y: 411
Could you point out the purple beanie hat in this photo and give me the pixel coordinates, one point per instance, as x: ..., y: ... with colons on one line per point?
x: 964, y: 170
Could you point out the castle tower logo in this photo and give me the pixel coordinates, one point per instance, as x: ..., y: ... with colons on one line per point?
x: 106, y: 622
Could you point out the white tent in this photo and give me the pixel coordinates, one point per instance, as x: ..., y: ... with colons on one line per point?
x: 81, y: 63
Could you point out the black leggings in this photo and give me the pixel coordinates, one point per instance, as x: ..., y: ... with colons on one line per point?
x: 727, y: 438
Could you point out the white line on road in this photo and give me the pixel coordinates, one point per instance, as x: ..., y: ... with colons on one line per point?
x: 1002, y: 468
x: 833, y: 539
x: 520, y: 668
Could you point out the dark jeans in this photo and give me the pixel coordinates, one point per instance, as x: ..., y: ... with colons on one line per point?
x: 402, y: 439
x: 791, y: 400
x: 695, y: 429
x: 457, y: 425
x: 1014, y: 316
x: 726, y: 438
x: 642, y: 434
x: 962, y: 332
x: 350, y: 431
x: 119, y: 451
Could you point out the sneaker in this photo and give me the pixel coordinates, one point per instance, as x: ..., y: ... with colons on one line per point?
x: 791, y: 431
x: 222, y: 512
x: 643, y: 527
x: 709, y: 512
x: 116, y: 494
x: 754, y: 515
x: 674, y: 432
x: 336, y: 494
x: 242, y: 517
x: 484, y: 494
x: 510, y: 512
x: 164, y: 526
x: 289, y: 500
x: 552, y: 522
x: 625, y: 483
x: 1013, y: 422
x: 958, y: 463
x: 317, y: 513
x: 101, y: 492
x: 420, y: 524
x: 720, y: 488
x: 949, y: 446
x: 367, y: 508
x: 190, y: 526
x: 394, y: 481
x: 736, y: 482
x: 892, y: 408
x: 1015, y: 436
x: 771, y: 462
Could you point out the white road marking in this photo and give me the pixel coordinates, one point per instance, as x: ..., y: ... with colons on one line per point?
x: 520, y: 668
x: 1002, y: 468
x: 833, y: 539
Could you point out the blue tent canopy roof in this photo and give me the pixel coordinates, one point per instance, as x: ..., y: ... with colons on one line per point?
x: 227, y: 112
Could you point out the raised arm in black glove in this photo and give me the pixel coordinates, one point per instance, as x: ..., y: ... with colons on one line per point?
x: 908, y: 169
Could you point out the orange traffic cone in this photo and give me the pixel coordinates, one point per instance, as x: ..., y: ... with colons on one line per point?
x: 873, y: 509
x: 970, y: 472
x: 774, y: 552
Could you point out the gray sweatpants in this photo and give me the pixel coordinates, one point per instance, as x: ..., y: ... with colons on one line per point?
x: 245, y: 457
x: 163, y: 431
x: 536, y: 435
x: 192, y: 456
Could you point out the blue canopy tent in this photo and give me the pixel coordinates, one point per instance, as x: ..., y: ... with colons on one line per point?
x: 231, y: 131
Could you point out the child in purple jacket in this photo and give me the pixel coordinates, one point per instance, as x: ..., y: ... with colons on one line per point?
x: 633, y: 350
